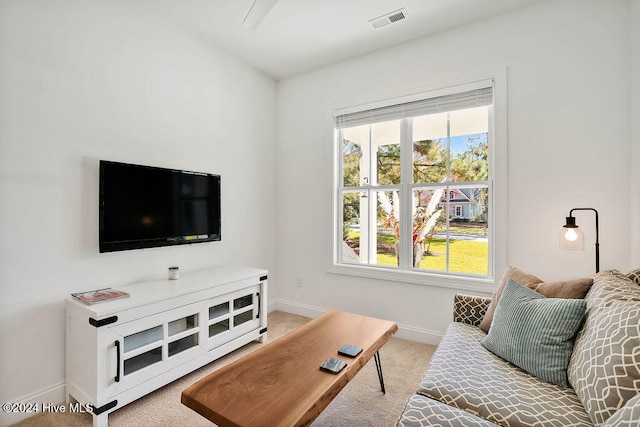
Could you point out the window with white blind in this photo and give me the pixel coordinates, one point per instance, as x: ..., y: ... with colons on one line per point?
x: 415, y: 185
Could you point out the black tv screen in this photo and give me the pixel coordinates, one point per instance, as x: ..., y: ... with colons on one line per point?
x: 145, y: 207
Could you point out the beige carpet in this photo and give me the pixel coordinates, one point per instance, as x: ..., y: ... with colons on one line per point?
x: 360, y: 403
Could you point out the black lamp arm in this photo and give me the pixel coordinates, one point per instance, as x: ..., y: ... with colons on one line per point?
x: 597, y: 234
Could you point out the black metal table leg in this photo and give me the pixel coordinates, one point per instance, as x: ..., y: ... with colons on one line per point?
x: 376, y: 357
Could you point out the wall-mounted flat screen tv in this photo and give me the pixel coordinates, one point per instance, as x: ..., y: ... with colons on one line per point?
x: 146, y: 207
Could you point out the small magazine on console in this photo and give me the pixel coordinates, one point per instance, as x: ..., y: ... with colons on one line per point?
x: 99, y: 295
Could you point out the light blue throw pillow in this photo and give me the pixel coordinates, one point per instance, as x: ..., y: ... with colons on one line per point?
x: 534, y: 332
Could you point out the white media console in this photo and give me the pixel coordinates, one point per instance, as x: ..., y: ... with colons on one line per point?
x: 121, y: 350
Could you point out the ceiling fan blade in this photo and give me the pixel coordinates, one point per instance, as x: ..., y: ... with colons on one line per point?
x: 259, y: 9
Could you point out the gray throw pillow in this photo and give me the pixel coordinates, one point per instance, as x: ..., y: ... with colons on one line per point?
x: 534, y: 332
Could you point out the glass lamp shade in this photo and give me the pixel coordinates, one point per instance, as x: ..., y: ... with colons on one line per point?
x: 571, y: 238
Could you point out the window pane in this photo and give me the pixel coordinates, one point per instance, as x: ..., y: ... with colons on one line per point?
x: 469, y: 144
x: 430, y: 148
x: 353, y: 141
x: 385, y: 141
x: 350, y: 251
x: 456, y: 242
x: 370, y: 227
x: 468, y: 231
x: 388, y: 228
x: 429, y: 229
x: 388, y: 162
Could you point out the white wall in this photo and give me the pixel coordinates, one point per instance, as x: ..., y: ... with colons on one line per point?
x: 634, y: 211
x: 568, y: 65
x: 86, y: 80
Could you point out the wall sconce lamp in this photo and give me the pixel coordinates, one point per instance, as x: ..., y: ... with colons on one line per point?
x: 572, y: 238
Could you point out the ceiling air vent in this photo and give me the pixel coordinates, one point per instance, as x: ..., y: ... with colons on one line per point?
x: 389, y: 18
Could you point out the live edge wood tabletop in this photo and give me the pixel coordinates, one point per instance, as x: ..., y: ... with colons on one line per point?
x: 281, y: 383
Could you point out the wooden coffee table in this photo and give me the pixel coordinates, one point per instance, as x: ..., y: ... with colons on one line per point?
x: 281, y: 383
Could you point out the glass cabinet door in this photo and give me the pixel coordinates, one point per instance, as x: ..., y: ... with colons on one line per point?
x: 233, y: 315
x: 142, y: 349
x: 183, y: 334
x: 154, y: 344
x: 219, y: 318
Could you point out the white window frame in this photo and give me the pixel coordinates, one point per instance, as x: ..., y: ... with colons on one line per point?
x: 497, y: 174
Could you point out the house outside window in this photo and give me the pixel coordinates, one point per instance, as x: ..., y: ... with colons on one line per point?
x: 415, y: 185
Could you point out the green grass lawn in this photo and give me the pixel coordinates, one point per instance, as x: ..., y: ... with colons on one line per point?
x: 464, y: 256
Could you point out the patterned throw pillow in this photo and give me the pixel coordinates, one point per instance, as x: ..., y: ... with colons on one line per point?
x: 627, y: 416
x: 534, y: 332
x: 573, y: 288
x: 634, y: 276
x: 605, y: 367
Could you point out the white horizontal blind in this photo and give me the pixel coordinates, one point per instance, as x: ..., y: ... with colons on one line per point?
x: 457, y: 101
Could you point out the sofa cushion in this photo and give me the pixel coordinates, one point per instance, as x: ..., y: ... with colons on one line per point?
x: 464, y: 374
x: 605, y: 366
x: 420, y: 411
x: 627, y: 416
x: 573, y: 288
x: 534, y: 332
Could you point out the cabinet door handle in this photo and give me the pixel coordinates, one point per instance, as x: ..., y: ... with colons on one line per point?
x: 117, y: 361
x: 259, y: 304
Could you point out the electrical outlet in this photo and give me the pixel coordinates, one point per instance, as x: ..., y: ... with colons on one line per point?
x: 299, y: 281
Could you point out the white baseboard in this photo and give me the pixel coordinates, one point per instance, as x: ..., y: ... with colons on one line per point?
x: 53, y: 395
x: 413, y: 333
x: 407, y: 332
x: 296, y: 308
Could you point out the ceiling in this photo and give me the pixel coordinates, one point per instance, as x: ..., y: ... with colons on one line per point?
x: 287, y: 37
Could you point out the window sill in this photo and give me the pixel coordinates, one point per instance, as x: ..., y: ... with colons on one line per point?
x: 457, y: 282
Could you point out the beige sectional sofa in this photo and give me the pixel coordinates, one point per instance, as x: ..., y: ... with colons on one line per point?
x: 597, y: 371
